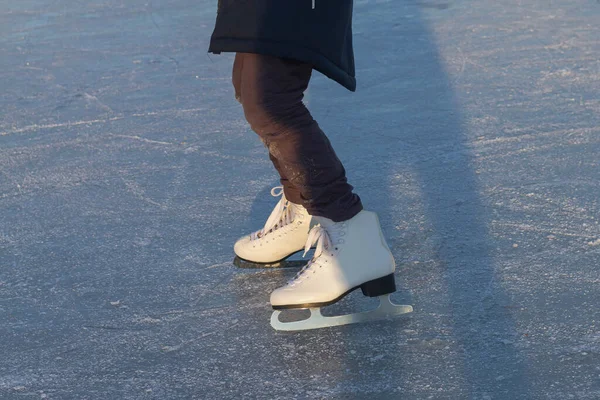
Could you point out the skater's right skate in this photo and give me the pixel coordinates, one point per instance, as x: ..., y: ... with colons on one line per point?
x: 284, y: 233
x: 349, y: 255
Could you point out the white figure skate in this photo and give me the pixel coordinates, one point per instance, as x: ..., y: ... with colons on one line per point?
x: 349, y: 255
x: 284, y: 233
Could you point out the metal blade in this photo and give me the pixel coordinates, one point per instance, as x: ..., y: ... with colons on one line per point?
x: 238, y: 262
x: 385, y: 310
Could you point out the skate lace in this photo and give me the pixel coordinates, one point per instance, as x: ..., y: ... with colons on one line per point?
x: 282, y: 215
x: 325, y: 240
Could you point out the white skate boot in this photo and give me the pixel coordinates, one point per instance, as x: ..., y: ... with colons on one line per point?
x: 284, y: 233
x: 349, y: 255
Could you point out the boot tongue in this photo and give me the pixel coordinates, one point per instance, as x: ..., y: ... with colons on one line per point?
x: 332, y: 228
x: 326, y: 223
x: 295, y: 209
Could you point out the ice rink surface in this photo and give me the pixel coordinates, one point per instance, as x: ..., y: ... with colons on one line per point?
x: 127, y: 171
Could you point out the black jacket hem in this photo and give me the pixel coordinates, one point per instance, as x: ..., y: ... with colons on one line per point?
x: 285, y: 50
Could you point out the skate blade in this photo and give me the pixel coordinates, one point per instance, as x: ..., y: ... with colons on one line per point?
x: 385, y: 310
x: 238, y: 262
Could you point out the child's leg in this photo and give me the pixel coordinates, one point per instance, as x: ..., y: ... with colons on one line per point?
x: 236, y: 75
x: 238, y: 64
x: 271, y: 91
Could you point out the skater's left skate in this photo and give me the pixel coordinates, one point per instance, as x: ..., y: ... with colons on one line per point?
x: 283, y: 235
x: 349, y: 255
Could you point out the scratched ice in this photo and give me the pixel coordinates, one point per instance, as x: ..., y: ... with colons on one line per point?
x: 127, y: 171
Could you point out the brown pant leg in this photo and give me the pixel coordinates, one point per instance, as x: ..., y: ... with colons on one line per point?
x: 236, y: 75
x: 238, y: 65
x: 271, y: 90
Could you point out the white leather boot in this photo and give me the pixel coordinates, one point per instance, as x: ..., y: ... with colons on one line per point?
x: 284, y: 233
x: 348, y: 255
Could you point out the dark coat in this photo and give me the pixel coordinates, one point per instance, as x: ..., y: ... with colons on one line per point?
x: 321, y: 36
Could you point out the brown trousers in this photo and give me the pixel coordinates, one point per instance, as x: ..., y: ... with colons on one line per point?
x: 271, y: 91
